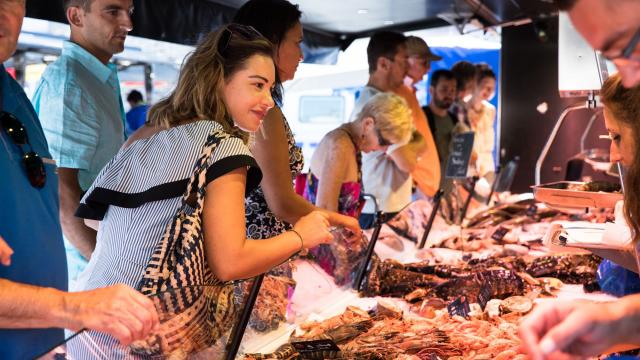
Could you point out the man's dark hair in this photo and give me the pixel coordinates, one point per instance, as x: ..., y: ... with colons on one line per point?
x: 84, y: 4
x: 441, y: 74
x: 134, y: 96
x: 464, y: 72
x: 565, y: 5
x: 383, y: 44
x: 483, y: 70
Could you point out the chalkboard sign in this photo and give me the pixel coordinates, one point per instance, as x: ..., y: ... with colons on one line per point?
x: 458, y: 162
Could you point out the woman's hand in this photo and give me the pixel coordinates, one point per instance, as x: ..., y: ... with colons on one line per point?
x: 579, y: 328
x: 5, y: 253
x: 314, y: 229
x: 345, y: 221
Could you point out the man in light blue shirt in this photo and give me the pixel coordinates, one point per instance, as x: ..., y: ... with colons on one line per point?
x: 79, y: 104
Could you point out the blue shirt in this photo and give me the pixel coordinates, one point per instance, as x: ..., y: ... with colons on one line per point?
x: 136, y: 118
x: 78, y: 101
x: 30, y: 223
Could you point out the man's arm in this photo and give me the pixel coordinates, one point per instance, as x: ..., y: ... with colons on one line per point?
x: 78, y: 234
x: 406, y: 157
x: 116, y: 310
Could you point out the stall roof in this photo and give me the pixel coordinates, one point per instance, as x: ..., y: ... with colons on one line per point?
x: 327, y: 22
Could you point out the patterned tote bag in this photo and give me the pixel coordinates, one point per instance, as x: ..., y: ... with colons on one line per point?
x: 195, y: 308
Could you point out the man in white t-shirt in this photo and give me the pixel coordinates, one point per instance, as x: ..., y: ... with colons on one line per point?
x: 387, y: 174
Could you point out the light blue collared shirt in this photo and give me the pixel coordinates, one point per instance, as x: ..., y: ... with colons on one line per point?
x: 80, y: 108
x: 79, y: 104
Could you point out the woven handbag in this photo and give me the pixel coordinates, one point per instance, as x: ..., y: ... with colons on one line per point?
x: 194, y: 307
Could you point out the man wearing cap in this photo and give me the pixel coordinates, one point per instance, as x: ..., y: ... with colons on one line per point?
x: 426, y: 173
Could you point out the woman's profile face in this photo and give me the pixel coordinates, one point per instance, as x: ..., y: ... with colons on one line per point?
x: 247, y: 94
x: 486, y: 88
x: 622, y: 139
x: 289, y: 53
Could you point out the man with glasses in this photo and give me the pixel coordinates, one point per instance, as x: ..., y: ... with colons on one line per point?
x: 33, y: 280
x: 79, y: 103
x: 613, y: 28
x: 387, y: 174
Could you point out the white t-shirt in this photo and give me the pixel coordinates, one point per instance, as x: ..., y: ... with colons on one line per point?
x: 381, y: 177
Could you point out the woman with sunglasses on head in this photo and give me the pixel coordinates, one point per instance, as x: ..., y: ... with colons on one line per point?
x: 334, y: 181
x: 223, y: 94
x: 274, y: 205
x: 586, y: 329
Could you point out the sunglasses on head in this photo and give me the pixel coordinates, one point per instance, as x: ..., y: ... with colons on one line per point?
x: 246, y: 32
x: 381, y: 140
x: 31, y: 161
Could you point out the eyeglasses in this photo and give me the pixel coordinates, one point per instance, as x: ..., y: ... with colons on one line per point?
x: 629, y: 49
x: 245, y: 31
x: 381, y: 140
x: 31, y: 161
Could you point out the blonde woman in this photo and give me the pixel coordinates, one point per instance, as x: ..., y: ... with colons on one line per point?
x: 334, y: 181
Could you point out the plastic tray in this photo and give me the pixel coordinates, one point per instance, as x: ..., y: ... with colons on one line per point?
x: 556, y: 194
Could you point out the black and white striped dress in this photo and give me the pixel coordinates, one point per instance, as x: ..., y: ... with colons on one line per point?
x: 137, y: 194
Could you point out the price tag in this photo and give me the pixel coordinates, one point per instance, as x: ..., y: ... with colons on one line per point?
x: 460, y: 307
x: 313, y: 346
x: 500, y: 233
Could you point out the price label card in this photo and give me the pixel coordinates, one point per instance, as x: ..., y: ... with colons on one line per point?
x: 313, y: 346
x: 458, y: 161
x: 460, y: 307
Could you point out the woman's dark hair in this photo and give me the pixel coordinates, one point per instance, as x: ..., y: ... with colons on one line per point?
x: 272, y: 18
x: 483, y: 70
x: 464, y: 72
x: 624, y: 104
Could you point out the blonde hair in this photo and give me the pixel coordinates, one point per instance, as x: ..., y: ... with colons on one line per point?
x: 624, y: 105
x: 198, y: 94
x: 391, y: 116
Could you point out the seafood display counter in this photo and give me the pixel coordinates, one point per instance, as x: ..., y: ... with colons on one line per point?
x: 460, y: 298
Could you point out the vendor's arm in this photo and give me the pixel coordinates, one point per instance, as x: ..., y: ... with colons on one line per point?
x: 116, y: 310
x: 406, y: 156
x: 581, y: 328
x: 230, y: 254
x: 79, y: 235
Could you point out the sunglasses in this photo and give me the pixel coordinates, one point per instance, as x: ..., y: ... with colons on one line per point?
x: 246, y: 32
x: 31, y: 161
x: 381, y: 140
x: 629, y: 49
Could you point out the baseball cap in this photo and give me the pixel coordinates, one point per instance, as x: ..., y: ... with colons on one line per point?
x: 418, y: 47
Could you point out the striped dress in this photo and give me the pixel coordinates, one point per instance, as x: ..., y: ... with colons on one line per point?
x: 135, y: 196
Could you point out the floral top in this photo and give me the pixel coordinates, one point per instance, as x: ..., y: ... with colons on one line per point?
x: 262, y: 223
